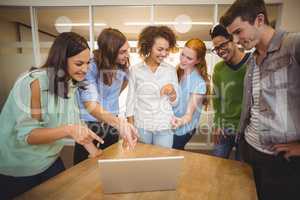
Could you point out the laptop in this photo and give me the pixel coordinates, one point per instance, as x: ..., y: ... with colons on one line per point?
x: 140, y: 174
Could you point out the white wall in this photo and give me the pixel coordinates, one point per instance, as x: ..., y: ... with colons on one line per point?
x: 10, y: 35
x: 11, y: 66
x: 291, y: 15
x: 12, y: 61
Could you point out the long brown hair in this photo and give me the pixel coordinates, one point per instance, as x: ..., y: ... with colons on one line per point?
x: 65, y: 45
x: 199, y: 47
x: 109, y: 42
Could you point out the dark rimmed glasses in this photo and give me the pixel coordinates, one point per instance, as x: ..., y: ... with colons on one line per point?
x: 222, y: 46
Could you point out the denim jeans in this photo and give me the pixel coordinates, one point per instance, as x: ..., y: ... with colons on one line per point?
x: 13, y: 186
x: 224, y: 148
x: 181, y: 140
x: 161, y: 138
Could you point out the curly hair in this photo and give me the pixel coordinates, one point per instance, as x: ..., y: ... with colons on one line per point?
x: 150, y: 33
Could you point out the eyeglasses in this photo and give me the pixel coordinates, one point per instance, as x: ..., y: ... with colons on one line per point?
x: 222, y: 46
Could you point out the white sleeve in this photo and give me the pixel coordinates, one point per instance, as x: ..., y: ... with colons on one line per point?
x: 174, y: 82
x: 130, y: 102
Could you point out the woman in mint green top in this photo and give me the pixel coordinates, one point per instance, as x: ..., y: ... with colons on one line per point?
x: 40, y: 111
x: 194, y: 87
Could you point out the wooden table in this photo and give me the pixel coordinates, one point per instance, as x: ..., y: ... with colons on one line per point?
x: 204, y: 177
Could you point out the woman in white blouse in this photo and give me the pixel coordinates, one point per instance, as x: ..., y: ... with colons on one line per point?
x: 153, y: 87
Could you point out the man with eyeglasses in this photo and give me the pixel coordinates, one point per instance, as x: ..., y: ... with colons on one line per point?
x: 228, y: 78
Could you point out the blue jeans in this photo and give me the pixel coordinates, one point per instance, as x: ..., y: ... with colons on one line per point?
x: 224, y: 148
x: 161, y: 138
x: 13, y: 186
x: 181, y: 140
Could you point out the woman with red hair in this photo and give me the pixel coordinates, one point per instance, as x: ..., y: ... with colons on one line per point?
x: 193, y: 90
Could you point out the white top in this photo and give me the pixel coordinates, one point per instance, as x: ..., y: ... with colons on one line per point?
x: 150, y: 111
x: 255, y: 127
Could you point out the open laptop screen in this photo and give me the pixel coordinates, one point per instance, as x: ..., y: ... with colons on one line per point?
x: 140, y: 174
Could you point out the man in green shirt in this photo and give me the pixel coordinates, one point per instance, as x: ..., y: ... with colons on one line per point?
x: 228, y: 78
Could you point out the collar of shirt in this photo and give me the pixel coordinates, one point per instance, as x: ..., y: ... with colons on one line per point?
x: 162, y: 64
x: 275, y: 42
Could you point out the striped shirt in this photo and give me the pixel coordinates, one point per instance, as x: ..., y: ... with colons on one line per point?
x: 254, y: 128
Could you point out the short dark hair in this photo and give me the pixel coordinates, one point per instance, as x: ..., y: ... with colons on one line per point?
x: 148, y: 36
x: 65, y: 45
x: 246, y: 9
x: 219, y: 30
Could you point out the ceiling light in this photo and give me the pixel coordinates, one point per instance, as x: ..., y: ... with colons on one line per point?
x: 79, y: 24
x: 166, y: 23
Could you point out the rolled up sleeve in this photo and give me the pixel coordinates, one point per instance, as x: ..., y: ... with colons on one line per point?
x: 21, y: 112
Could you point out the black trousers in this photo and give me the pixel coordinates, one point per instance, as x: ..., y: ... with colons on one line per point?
x: 11, y: 186
x: 109, y: 134
x: 275, y: 177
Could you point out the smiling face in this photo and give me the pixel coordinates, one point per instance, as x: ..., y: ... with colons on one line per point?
x: 188, y: 58
x: 223, y: 47
x: 78, y: 65
x: 160, y: 50
x: 123, y: 54
x: 244, y: 33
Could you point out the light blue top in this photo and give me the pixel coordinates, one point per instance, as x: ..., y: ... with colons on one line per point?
x: 193, y: 83
x: 107, y: 96
x: 17, y: 157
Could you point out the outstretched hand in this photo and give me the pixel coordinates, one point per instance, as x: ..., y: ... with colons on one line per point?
x: 129, y: 134
x: 82, y: 134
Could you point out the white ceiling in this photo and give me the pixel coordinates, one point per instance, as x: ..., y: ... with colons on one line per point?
x: 116, y: 16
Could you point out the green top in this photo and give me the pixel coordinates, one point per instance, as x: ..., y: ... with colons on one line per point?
x: 18, y: 158
x: 228, y: 87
